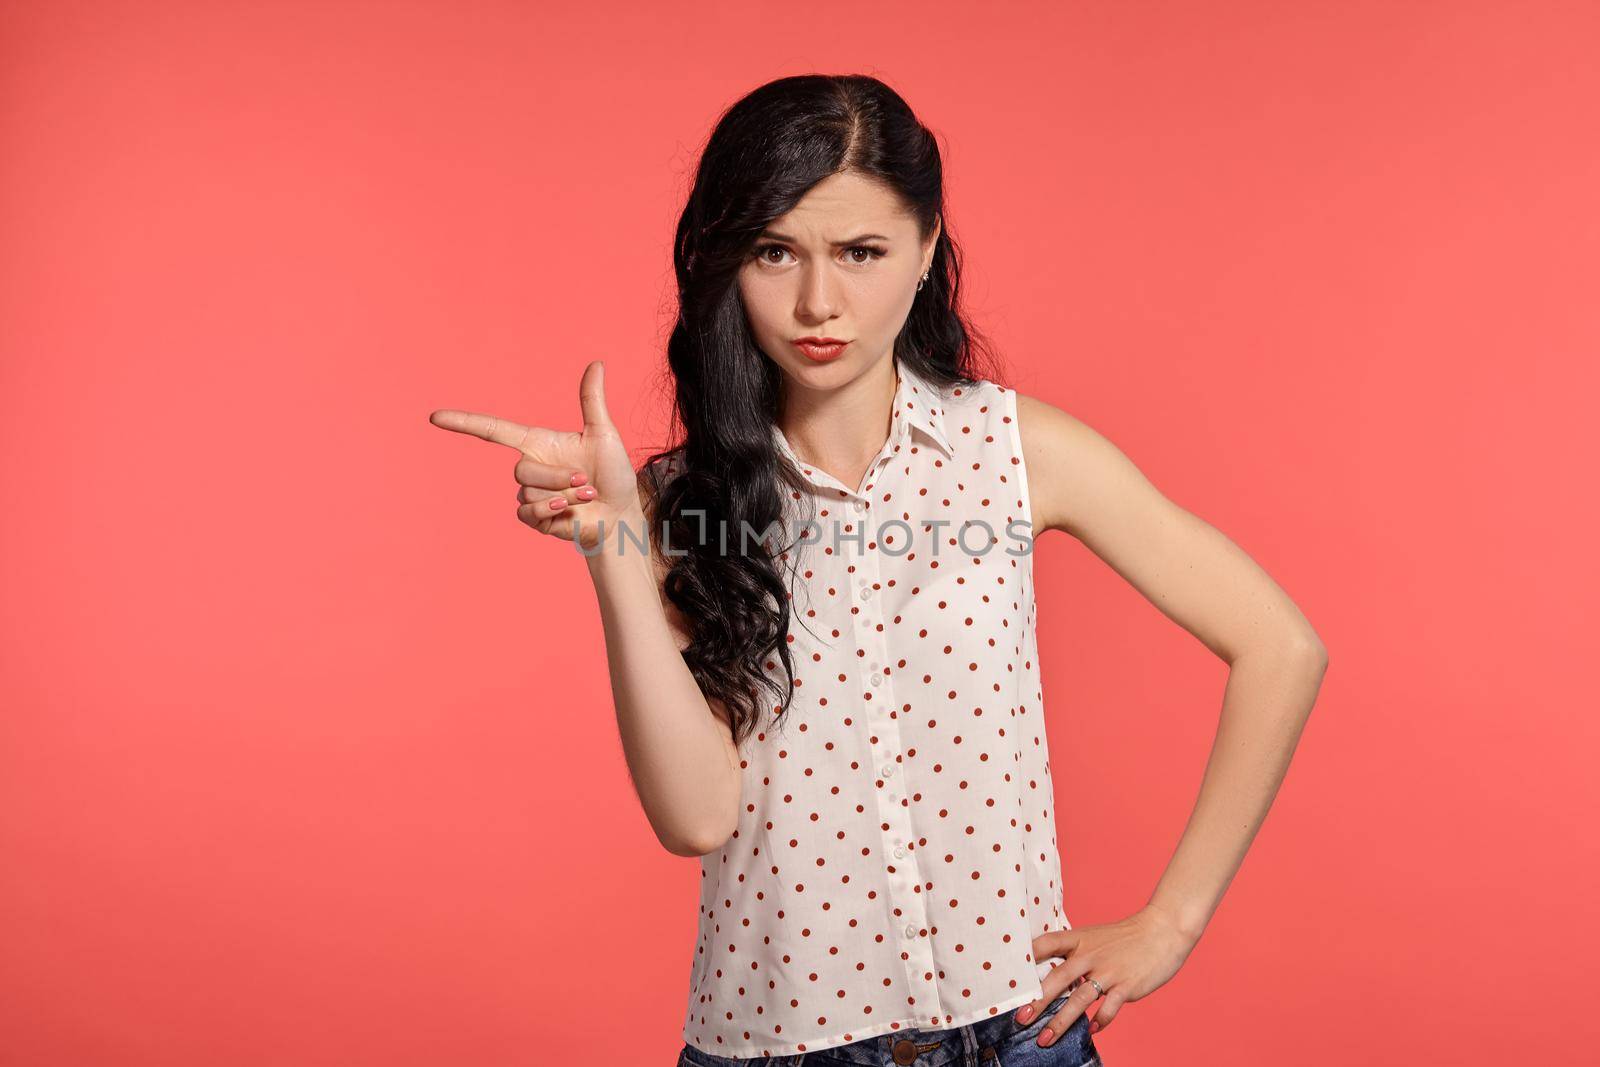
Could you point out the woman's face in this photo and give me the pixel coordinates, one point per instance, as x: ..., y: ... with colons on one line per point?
x: 843, y: 264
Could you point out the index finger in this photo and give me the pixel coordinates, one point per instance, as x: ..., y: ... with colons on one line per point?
x: 491, y: 428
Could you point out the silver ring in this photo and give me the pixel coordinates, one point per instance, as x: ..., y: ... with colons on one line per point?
x: 1096, y: 985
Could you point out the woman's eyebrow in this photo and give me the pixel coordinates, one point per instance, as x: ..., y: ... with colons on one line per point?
x: 770, y: 235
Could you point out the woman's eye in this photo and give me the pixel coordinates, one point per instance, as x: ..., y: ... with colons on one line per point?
x: 763, y: 253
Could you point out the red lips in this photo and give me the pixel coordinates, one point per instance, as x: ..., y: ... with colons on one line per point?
x: 821, y: 349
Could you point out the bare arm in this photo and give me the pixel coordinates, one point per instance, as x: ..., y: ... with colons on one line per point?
x: 573, y: 485
x: 677, y: 742
x: 1082, y: 484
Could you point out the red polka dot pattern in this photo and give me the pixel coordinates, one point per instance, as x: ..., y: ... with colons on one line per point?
x: 895, y: 854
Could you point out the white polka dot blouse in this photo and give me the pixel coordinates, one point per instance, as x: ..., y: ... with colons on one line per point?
x: 895, y: 854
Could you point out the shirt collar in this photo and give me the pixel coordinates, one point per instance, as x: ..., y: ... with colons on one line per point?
x: 922, y: 403
x: 916, y: 400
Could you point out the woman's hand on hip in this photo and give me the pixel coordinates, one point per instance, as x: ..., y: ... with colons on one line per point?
x: 1130, y: 959
x: 565, y: 479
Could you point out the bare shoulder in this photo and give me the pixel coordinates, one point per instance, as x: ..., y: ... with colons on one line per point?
x: 1082, y: 483
x: 1074, y: 471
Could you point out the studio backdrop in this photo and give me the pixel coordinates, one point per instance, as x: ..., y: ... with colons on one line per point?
x: 307, y: 749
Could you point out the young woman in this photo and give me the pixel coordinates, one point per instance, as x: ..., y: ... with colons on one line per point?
x: 819, y: 619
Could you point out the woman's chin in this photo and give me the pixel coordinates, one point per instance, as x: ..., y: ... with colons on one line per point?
x: 840, y: 368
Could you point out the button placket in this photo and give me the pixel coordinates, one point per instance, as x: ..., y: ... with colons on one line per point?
x: 887, y: 754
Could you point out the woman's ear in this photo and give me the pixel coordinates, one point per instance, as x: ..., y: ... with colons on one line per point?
x: 929, y: 245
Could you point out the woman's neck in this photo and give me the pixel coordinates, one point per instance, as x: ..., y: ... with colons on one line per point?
x: 840, y: 431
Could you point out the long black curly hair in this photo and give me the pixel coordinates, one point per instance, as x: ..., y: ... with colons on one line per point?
x: 764, y: 154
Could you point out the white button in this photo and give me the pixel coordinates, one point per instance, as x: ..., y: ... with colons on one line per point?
x: 888, y: 770
x: 861, y: 505
x: 866, y: 594
x: 877, y: 679
x: 899, y: 853
x: 911, y: 931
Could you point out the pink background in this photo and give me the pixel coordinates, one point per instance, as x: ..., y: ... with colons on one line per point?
x: 308, y: 750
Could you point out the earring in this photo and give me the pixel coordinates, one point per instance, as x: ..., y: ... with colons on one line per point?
x: 924, y: 278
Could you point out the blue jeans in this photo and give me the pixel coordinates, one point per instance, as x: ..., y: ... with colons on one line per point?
x: 997, y: 1041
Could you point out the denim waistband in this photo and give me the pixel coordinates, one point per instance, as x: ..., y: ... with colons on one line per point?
x: 902, y: 1048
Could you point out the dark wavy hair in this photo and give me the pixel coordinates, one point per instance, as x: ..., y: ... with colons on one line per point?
x: 764, y: 154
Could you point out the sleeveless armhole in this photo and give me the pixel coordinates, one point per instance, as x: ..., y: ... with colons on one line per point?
x: 1021, y: 464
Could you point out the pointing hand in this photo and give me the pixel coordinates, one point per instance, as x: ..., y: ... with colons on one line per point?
x: 565, y: 477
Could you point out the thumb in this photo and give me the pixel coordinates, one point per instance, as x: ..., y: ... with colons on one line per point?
x: 592, y: 396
